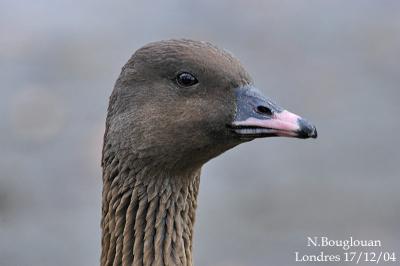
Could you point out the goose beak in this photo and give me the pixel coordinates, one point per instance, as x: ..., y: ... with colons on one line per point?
x: 257, y: 116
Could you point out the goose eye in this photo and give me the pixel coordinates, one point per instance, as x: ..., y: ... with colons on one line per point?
x: 186, y: 79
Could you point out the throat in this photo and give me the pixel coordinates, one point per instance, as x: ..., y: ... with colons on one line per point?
x: 147, y: 218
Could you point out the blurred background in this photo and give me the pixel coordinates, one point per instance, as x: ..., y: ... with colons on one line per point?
x: 334, y: 62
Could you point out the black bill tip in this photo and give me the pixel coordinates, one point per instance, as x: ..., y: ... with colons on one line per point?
x: 306, y: 130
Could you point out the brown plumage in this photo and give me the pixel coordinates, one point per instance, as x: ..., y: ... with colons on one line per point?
x: 176, y: 105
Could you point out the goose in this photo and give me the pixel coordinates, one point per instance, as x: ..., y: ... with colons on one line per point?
x: 176, y: 105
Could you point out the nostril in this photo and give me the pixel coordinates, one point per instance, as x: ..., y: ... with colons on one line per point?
x: 263, y: 110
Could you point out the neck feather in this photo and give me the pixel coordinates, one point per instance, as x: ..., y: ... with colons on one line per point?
x: 147, y: 215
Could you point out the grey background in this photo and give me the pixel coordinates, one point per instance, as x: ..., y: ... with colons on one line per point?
x: 334, y: 62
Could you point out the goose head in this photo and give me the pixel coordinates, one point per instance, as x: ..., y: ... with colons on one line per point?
x: 183, y: 102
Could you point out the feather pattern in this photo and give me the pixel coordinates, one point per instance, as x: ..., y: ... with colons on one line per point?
x: 147, y: 218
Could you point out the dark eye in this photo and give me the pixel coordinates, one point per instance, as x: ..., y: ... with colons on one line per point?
x: 186, y: 79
